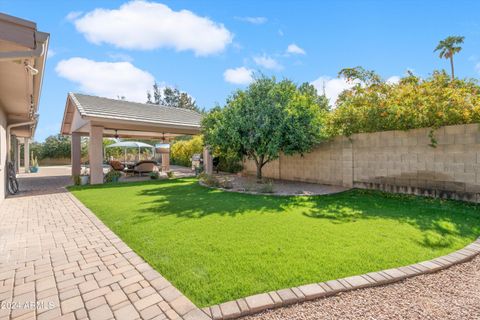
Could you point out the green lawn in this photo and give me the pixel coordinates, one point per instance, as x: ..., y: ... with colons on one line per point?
x: 216, y: 246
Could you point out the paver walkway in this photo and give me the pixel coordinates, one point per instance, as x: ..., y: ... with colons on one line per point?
x: 57, y: 260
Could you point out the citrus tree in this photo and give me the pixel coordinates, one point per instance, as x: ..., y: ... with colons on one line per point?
x: 266, y: 119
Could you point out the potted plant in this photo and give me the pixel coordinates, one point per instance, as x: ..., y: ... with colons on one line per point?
x: 34, y: 165
x: 113, y: 176
x: 154, y: 175
x: 84, y: 177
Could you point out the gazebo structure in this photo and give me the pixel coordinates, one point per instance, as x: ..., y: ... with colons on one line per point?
x: 98, y: 117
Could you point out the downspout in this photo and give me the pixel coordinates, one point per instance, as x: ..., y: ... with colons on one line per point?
x: 9, y: 127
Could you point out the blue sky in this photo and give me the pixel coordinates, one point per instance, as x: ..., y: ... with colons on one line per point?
x: 212, y: 48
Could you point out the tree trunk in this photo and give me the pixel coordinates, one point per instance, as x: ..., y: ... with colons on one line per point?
x: 259, y: 164
x: 259, y: 172
x: 451, y: 65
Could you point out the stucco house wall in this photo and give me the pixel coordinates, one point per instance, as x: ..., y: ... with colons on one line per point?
x: 3, y: 153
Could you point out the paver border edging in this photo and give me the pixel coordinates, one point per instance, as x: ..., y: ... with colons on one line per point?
x: 274, y: 299
x: 186, y: 309
x: 260, y: 302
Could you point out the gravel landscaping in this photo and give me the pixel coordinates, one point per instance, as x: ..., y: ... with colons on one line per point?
x: 249, y: 184
x: 453, y: 293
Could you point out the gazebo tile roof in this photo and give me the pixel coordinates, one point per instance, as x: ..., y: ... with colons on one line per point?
x: 93, y: 106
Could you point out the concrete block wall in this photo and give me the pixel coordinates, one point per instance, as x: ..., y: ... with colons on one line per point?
x: 394, y: 161
x: 404, y: 162
x: 323, y: 165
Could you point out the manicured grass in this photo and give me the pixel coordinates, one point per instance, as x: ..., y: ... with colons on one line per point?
x: 216, y: 246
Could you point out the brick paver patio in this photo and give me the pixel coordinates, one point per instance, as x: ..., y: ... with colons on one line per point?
x: 58, y: 261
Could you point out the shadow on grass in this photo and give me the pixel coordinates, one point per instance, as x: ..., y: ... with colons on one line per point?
x: 190, y: 200
x: 441, y: 221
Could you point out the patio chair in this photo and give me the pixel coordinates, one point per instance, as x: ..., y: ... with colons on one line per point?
x: 116, y: 165
x: 145, y: 166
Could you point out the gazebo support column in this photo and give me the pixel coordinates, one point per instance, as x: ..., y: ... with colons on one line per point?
x: 76, y: 154
x: 95, y: 154
x: 165, y: 162
x: 26, y: 154
x: 17, y: 157
x: 207, y: 161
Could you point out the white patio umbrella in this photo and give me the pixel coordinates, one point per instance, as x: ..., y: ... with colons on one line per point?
x: 130, y: 144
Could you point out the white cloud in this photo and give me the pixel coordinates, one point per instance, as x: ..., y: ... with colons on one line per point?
x: 107, y: 79
x: 117, y: 56
x: 294, y: 49
x: 253, y: 20
x: 393, y: 80
x: 73, y: 15
x: 477, y: 67
x: 239, y: 75
x: 267, y: 62
x: 143, y: 25
x: 332, y: 86
x: 51, y: 53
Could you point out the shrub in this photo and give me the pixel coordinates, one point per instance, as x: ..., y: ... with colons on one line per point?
x: 210, y: 180
x: 226, y: 183
x: 154, y: 175
x: 267, y: 187
x: 170, y: 174
x: 112, y: 176
x: 181, y: 151
x: 412, y: 103
x: 229, y: 162
x: 249, y: 186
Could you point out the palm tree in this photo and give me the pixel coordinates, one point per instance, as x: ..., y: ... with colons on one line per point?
x: 448, y: 47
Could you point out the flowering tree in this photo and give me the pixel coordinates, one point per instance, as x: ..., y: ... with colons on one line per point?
x: 411, y: 103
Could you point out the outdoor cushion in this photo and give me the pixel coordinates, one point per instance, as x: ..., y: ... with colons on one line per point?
x: 117, y: 165
x: 145, y: 166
